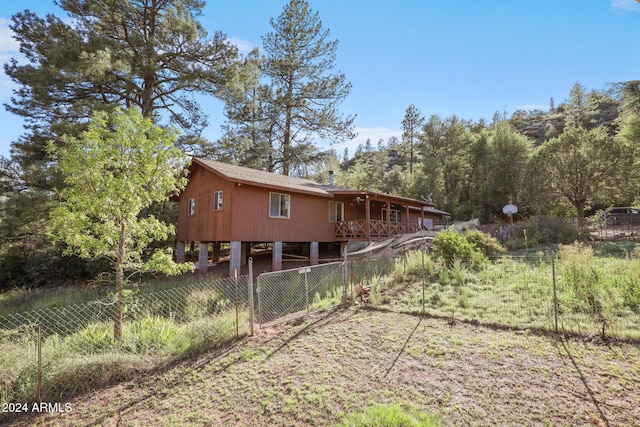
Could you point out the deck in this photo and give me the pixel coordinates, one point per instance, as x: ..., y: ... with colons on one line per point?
x: 357, y: 230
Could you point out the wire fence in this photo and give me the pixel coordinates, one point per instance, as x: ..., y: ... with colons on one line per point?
x: 537, y: 292
x: 595, y: 296
x: 181, y: 304
x: 45, y: 351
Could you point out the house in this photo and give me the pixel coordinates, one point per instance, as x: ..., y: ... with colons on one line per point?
x: 224, y: 203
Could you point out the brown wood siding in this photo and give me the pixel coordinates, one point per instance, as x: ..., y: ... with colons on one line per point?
x: 308, y: 217
x: 245, y: 214
x: 206, y: 225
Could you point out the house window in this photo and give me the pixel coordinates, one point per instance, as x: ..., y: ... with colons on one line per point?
x: 336, y: 211
x: 279, y: 205
x: 192, y: 207
x: 395, y: 215
x: 217, y: 200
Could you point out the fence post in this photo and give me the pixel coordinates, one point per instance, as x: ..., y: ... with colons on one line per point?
x: 555, y: 294
x: 237, y: 317
x: 250, y: 289
x: 345, y: 269
x: 39, y: 390
x: 423, y: 282
x: 306, y: 288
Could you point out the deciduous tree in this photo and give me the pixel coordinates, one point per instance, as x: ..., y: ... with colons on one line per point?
x: 121, y: 164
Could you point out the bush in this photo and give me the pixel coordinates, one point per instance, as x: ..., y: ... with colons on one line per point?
x: 487, y: 244
x: 451, y: 246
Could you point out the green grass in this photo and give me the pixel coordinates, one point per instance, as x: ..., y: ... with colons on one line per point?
x: 593, y: 291
x: 395, y: 415
x: 91, y: 357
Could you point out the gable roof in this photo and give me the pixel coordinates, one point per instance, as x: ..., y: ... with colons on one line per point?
x: 260, y: 178
x: 248, y: 176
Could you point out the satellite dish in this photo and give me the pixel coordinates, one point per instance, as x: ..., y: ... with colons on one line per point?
x: 510, y: 209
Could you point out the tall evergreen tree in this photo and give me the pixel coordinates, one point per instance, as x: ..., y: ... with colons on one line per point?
x: 411, y: 125
x: 149, y: 54
x: 299, y: 58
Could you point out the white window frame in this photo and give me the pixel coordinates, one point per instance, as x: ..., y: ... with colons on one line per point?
x: 218, y: 200
x: 192, y: 207
x: 395, y: 216
x: 283, y: 202
x: 336, y: 211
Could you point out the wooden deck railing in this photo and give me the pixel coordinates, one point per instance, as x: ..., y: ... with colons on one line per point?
x: 357, y: 229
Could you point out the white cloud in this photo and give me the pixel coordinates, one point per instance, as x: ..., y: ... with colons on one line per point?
x: 9, y: 48
x: 243, y: 46
x: 531, y: 107
x: 626, y: 5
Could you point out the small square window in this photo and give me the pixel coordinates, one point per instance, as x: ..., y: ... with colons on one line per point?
x: 279, y: 205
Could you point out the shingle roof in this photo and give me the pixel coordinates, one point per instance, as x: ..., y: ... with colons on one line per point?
x: 266, y: 179
x: 260, y: 178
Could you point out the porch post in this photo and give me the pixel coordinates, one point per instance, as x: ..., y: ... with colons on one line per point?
x: 203, y: 257
x: 367, y: 208
x: 234, y: 257
x: 314, y: 253
x: 408, y: 230
x: 388, y: 219
x: 180, y: 252
x: 276, y: 264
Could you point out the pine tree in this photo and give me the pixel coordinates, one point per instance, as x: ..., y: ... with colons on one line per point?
x: 298, y: 61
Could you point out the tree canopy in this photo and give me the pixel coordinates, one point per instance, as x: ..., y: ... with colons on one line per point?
x: 283, y: 112
x: 120, y: 165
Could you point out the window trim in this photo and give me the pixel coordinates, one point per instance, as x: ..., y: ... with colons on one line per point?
x: 218, y: 201
x: 334, y: 208
x: 191, y: 207
x: 287, y: 202
x: 397, y: 215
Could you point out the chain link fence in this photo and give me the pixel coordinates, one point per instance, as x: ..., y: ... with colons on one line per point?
x: 534, y: 292
x: 285, y: 294
x: 594, y: 297
x: 46, y: 350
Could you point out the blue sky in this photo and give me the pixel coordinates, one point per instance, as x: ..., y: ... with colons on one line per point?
x: 468, y: 57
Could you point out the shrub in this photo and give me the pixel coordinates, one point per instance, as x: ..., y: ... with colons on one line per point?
x: 450, y: 246
x: 487, y: 244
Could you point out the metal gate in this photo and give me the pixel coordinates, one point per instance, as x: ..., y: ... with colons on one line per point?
x: 292, y: 293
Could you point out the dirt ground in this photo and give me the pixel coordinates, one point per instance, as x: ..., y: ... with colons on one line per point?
x: 336, y: 362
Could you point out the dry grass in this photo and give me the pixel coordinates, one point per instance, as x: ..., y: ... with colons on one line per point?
x: 335, y: 363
